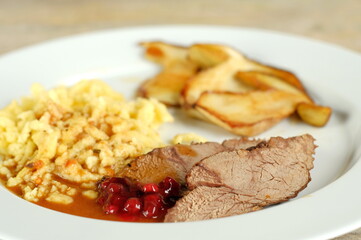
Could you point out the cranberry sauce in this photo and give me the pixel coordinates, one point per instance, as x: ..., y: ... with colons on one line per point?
x: 134, y: 202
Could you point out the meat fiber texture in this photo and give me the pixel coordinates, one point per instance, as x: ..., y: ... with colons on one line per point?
x: 176, y: 161
x: 242, y: 180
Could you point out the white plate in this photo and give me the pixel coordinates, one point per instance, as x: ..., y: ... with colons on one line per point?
x: 329, y: 206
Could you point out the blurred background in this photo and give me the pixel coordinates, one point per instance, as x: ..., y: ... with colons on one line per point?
x: 26, y: 22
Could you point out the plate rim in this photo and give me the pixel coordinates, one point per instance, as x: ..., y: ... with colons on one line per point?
x: 349, y: 174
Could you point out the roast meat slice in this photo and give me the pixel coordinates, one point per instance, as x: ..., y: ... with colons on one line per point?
x: 211, y: 202
x: 244, y: 180
x: 175, y: 161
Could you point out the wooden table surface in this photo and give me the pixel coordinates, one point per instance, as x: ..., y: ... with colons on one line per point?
x: 26, y: 22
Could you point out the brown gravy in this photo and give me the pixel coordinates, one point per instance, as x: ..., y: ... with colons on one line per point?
x: 82, y: 206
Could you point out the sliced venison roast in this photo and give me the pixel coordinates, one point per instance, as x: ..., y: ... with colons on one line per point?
x: 175, y: 161
x: 238, y: 181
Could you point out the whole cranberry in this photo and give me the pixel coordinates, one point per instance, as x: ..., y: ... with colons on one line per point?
x: 153, y: 205
x: 111, y: 209
x: 117, y: 199
x: 150, y: 188
x: 132, y: 206
x: 170, y: 187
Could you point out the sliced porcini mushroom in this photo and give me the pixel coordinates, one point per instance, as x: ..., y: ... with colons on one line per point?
x: 218, y: 84
x: 177, y: 69
x: 250, y: 113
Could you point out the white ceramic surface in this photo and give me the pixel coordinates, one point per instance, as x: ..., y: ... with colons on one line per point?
x: 328, y: 207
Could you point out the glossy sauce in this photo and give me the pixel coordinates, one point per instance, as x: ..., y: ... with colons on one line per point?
x: 83, y: 206
x: 186, y: 150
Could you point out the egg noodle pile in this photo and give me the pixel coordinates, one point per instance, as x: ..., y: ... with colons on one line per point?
x: 77, y: 134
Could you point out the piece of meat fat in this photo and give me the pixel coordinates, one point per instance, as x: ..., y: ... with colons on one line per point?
x: 263, y: 175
